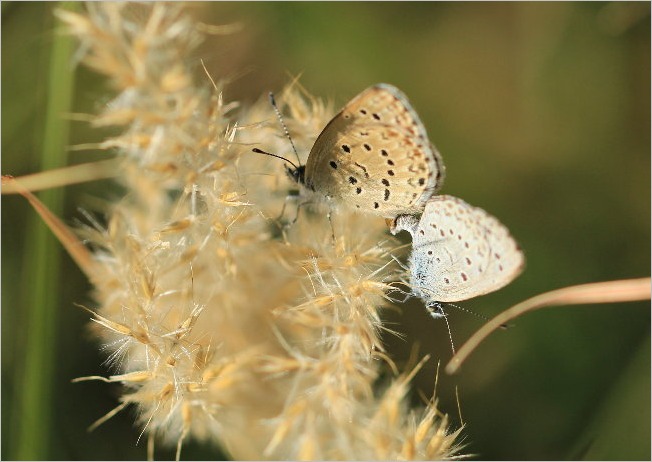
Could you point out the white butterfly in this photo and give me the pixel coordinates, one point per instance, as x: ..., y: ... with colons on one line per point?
x: 458, y: 252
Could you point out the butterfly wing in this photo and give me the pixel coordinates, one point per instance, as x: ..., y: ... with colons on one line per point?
x: 375, y: 156
x: 460, y: 251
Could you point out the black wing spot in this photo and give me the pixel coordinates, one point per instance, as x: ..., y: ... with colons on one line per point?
x: 358, y: 190
x: 352, y: 180
x: 384, y: 153
x: 363, y: 111
x: 376, y: 205
x: 375, y: 116
x: 333, y: 164
x: 390, y: 162
x: 387, y: 194
x: 367, y: 147
x: 422, y: 181
x: 385, y: 182
x: 346, y: 148
x: 389, y: 172
x: 363, y: 168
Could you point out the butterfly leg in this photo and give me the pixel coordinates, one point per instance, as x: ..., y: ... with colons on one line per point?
x: 299, y: 205
x: 330, y: 221
x: 292, y: 195
x: 407, y: 295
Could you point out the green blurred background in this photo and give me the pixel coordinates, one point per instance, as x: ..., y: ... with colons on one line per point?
x: 542, y: 114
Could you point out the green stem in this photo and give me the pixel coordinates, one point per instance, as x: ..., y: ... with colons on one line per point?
x: 34, y: 397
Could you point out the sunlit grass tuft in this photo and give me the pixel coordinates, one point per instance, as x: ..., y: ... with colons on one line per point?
x: 222, y: 323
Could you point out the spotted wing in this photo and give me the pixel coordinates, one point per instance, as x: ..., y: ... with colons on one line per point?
x: 375, y: 156
x: 460, y: 251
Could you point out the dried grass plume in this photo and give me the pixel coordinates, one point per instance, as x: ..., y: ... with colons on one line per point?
x: 221, y: 324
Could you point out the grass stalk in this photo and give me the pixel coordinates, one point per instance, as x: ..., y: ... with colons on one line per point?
x: 34, y: 396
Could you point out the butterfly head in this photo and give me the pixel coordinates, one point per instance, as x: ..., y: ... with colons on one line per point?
x: 435, y: 309
x: 297, y: 173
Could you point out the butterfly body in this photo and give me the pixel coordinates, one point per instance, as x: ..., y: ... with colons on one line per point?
x: 374, y: 155
x: 458, y: 251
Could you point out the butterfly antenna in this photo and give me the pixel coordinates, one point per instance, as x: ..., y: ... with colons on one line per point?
x: 285, y: 128
x: 477, y: 315
x: 260, y: 151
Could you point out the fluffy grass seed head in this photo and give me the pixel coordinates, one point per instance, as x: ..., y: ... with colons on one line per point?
x: 221, y: 324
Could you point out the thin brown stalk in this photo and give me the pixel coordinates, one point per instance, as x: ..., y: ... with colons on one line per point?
x: 75, y: 248
x: 626, y: 290
x: 64, y: 176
